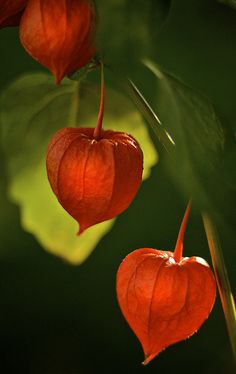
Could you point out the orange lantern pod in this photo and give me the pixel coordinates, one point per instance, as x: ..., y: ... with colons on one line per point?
x: 59, y: 35
x: 95, y: 174
x: 164, y: 297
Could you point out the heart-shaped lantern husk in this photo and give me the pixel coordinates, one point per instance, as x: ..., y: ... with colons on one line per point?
x: 95, y: 174
x: 11, y: 12
x: 59, y: 34
x: 164, y: 297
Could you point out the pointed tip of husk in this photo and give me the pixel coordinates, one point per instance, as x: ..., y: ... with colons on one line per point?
x: 147, y: 360
x: 82, y: 228
x: 58, y: 75
x: 79, y: 232
x: 151, y: 356
x: 58, y: 80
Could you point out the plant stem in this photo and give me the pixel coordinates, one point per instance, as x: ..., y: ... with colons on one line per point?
x: 151, y: 117
x: 223, y: 283
x: 178, y: 252
x: 98, y: 128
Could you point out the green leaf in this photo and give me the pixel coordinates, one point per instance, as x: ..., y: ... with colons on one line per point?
x: 192, y: 123
x: 32, y: 110
x: 127, y: 31
x: 81, y: 74
x: 230, y: 3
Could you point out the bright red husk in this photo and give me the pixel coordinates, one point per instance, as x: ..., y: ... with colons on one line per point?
x: 94, y: 179
x: 59, y: 34
x: 164, y: 298
x: 11, y: 12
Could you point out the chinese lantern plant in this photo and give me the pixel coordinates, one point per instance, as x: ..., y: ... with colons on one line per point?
x: 59, y: 35
x: 164, y: 296
x: 95, y: 174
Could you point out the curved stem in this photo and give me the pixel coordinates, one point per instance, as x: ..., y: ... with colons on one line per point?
x: 98, y: 128
x: 222, y: 279
x: 178, y: 252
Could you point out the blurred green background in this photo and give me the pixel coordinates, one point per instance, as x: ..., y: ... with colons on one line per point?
x: 61, y: 319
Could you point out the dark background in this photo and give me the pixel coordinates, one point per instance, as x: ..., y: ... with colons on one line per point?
x: 59, y: 319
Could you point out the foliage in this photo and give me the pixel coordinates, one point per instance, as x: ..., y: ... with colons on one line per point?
x: 32, y: 110
x: 51, y: 310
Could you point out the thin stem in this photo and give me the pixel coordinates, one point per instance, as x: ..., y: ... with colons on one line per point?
x: 151, y: 117
x: 98, y: 128
x: 178, y: 252
x: 223, y: 283
x: 147, y: 112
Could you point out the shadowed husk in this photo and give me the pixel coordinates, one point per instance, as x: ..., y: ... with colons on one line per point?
x: 11, y: 12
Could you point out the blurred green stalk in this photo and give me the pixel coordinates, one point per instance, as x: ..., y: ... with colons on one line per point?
x: 150, y: 116
x: 222, y: 279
